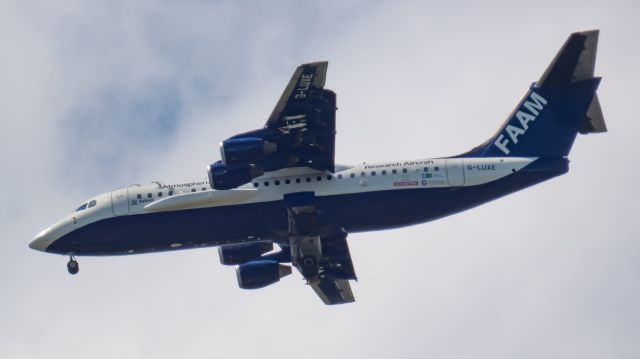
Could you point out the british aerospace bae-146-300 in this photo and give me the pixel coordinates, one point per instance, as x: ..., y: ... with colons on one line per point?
x: 280, y: 185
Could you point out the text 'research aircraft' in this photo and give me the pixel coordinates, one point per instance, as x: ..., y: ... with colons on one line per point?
x: 280, y: 184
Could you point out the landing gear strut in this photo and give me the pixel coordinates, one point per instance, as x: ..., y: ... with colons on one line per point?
x: 303, y: 234
x: 72, y: 265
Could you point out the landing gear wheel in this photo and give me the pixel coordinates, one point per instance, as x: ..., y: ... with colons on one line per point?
x: 309, y: 267
x: 72, y: 266
x: 308, y: 261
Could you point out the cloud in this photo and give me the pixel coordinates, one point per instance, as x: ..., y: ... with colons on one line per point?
x: 99, y: 95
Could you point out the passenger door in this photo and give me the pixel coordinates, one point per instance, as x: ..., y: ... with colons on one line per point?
x: 120, y: 202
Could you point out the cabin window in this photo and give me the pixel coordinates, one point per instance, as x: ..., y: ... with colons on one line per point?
x: 308, y: 179
x: 255, y: 184
x: 159, y: 194
x: 362, y: 174
x: 329, y: 177
x: 277, y: 183
x: 92, y: 203
x: 373, y: 173
x: 352, y: 175
x: 204, y: 188
x: 319, y: 178
x: 404, y: 170
x: 266, y: 183
x: 170, y: 193
x: 340, y: 176
x: 394, y: 171
x: 149, y: 195
x: 298, y: 180
x: 192, y: 190
x: 436, y: 168
x: 384, y: 172
x: 426, y: 169
x: 139, y: 196
x: 287, y: 181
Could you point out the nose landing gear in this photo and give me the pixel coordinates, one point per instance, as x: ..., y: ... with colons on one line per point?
x: 72, y: 265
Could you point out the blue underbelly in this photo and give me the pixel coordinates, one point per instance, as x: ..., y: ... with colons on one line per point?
x: 357, y: 212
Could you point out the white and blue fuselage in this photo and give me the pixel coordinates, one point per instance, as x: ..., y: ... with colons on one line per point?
x: 161, y: 217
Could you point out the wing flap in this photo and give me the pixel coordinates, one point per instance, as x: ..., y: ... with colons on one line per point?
x: 333, y: 291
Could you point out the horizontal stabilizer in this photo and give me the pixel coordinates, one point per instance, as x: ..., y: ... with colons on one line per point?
x: 575, y: 61
x: 594, y: 120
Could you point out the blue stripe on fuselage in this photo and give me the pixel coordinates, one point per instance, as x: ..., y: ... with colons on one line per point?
x: 356, y: 212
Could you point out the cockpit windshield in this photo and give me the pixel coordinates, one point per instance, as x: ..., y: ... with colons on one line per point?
x: 86, y: 205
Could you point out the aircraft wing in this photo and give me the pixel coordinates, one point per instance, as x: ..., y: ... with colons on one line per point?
x: 305, y: 116
x: 333, y: 291
x: 336, y: 269
x: 300, y: 132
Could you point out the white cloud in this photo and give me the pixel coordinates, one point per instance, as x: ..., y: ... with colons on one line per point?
x: 98, y: 95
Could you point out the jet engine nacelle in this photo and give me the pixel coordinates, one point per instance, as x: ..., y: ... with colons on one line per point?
x: 222, y: 176
x: 237, y: 151
x: 232, y: 254
x: 259, y: 274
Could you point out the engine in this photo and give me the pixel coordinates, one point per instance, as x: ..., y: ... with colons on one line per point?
x: 222, y: 176
x: 232, y: 254
x: 240, y: 151
x: 259, y: 274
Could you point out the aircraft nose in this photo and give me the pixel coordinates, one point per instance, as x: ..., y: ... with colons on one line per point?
x: 41, y: 241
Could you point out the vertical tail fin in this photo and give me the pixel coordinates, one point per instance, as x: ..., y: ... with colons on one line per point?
x: 560, y: 104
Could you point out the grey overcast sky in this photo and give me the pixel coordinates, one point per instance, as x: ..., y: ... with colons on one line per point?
x: 96, y: 95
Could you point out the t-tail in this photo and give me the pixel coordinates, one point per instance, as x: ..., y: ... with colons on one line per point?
x: 561, y: 104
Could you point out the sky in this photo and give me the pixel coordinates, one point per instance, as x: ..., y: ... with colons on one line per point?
x: 98, y: 95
